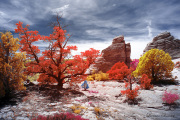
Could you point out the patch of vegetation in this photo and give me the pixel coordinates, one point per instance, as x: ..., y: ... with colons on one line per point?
x: 100, y: 76
x: 60, y: 116
x: 33, y: 77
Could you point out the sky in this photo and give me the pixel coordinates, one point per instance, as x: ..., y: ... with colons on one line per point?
x: 94, y: 23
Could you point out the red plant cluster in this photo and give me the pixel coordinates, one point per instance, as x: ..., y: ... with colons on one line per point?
x: 61, y: 116
x: 145, y: 82
x: 177, y: 65
x: 119, y: 71
x: 130, y: 94
x: 169, y: 97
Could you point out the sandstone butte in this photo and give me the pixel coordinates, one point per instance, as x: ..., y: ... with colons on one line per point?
x: 118, y: 51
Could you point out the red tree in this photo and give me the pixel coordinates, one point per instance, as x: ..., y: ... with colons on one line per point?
x: 54, y: 65
x: 130, y: 93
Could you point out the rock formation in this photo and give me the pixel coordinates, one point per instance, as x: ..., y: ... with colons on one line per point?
x: 165, y: 41
x: 117, y: 51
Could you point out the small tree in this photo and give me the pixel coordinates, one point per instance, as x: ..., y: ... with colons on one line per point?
x: 119, y: 71
x: 156, y: 64
x: 11, y: 64
x: 55, y: 64
x: 130, y: 93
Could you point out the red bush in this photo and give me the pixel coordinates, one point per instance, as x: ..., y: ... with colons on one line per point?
x: 61, y: 116
x: 119, y: 71
x: 130, y: 93
x: 145, y: 82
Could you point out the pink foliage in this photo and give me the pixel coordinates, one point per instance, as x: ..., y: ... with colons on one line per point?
x: 169, y: 97
x: 134, y: 63
x: 93, y: 91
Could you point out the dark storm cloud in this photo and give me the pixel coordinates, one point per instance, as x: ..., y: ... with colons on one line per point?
x: 95, y: 20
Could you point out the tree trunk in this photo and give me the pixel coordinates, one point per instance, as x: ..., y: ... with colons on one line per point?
x: 130, y: 81
x: 153, y: 76
x: 60, y: 84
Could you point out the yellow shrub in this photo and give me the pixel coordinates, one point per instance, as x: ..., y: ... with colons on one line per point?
x: 97, y: 110
x: 77, y: 108
x: 73, y: 107
x: 156, y: 64
x: 77, y: 111
x: 82, y: 107
x: 98, y: 76
x: 90, y: 78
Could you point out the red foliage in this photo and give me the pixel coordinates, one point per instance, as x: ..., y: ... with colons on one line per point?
x: 145, y: 82
x: 177, y: 65
x: 130, y: 93
x: 55, y: 64
x: 119, y: 71
x: 61, y: 116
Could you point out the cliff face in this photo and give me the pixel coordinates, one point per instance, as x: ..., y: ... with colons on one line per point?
x: 165, y: 41
x: 117, y: 51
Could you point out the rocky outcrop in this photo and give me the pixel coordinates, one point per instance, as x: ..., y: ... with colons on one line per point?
x: 117, y: 51
x: 165, y: 41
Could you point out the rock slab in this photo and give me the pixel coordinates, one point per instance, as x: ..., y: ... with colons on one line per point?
x: 165, y: 41
x: 118, y: 51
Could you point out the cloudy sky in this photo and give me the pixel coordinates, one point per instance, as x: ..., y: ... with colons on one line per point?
x: 94, y: 23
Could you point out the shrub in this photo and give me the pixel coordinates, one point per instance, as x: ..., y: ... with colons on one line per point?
x: 169, y: 97
x: 101, y: 76
x: 61, y: 116
x: 77, y: 108
x: 77, y: 111
x: 119, y: 71
x: 130, y: 93
x: 98, y: 76
x: 145, y: 82
x: 156, y: 64
x: 97, y: 110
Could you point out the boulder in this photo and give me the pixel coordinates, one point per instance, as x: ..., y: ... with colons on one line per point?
x: 165, y: 41
x: 118, y: 51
